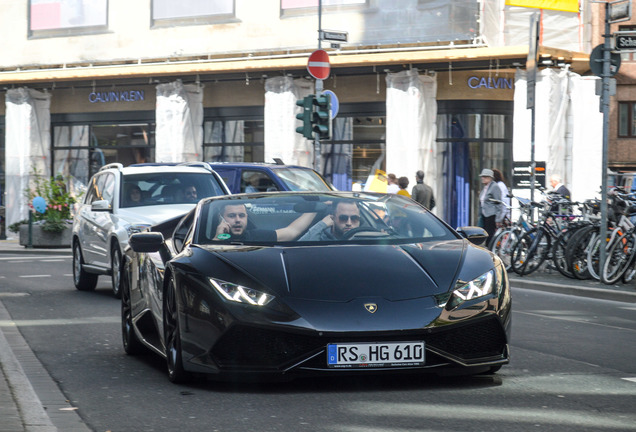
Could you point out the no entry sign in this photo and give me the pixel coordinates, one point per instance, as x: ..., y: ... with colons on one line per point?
x: 318, y: 64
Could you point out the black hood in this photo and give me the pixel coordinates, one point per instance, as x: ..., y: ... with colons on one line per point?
x: 345, y: 272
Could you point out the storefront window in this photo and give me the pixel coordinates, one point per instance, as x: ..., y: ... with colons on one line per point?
x: 2, y: 181
x: 468, y: 143
x: 65, y: 18
x: 81, y: 150
x: 233, y: 141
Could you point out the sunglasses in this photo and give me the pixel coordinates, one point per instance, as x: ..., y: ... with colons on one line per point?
x: 345, y: 218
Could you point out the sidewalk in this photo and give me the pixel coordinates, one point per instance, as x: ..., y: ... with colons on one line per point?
x: 21, y: 409
x: 22, y: 376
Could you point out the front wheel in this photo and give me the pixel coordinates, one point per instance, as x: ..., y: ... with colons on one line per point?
x: 618, y: 259
x: 172, y: 335
x: 132, y: 344
x: 83, y: 280
x: 503, y: 244
x: 530, y: 251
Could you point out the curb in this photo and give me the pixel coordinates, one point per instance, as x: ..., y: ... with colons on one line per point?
x: 610, y: 293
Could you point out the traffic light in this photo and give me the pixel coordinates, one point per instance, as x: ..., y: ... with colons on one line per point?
x: 306, y: 116
x: 322, y: 116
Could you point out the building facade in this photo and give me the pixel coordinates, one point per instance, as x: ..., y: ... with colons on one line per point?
x: 421, y: 84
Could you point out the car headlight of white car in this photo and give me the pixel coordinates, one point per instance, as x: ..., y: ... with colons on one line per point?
x: 135, y: 228
x: 241, y: 294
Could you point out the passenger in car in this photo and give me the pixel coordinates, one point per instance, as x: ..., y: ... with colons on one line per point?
x: 134, y: 196
x: 188, y: 194
x: 345, y: 217
x: 233, y: 226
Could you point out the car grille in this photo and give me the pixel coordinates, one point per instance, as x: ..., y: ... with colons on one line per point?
x: 249, y: 347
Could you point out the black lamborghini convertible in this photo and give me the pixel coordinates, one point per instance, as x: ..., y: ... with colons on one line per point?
x: 290, y: 284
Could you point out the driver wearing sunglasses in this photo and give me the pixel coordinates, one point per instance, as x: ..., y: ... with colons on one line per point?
x: 345, y: 217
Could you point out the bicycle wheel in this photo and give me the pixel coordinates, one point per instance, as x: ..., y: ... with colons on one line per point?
x: 559, y: 251
x: 593, y: 255
x: 576, y: 252
x: 530, y: 251
x: 502, y: 245
x: 619, y: 257
x: 630, y: 273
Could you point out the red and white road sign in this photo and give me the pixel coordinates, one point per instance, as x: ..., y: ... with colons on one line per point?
x: 318, y: 64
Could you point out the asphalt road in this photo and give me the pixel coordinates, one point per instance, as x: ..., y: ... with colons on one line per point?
x: 572, y: 369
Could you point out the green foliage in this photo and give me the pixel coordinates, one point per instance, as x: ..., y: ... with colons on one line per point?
x: 59, y: 202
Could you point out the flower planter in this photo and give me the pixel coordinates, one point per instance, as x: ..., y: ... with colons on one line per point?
x: 45, y: 239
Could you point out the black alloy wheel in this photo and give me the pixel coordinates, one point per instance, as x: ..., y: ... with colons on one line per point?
x: 172, y: 335
x: 132, y: 344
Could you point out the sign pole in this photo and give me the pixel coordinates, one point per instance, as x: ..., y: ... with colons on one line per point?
x: 531, y: 70
x: 319, y: 88
x: 605, y: 104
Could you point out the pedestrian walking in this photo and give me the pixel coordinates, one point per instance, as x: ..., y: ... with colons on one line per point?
x: 403, y: 183
x: 505, y: 209
x: 558, y: 186
x: 392, y: 184
x: 423, y: 193
x: 490, y: 202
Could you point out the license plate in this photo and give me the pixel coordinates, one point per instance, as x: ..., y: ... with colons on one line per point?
x: 374, y: 355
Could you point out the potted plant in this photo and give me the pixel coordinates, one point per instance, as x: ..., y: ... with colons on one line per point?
x: 52, y: 219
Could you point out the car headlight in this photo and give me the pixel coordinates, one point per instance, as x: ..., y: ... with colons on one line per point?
x: 135, y: 228
x: 240, y: 293
x: 479, y: 287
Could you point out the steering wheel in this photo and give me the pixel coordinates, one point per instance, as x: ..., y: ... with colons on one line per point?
x: 352, y: 232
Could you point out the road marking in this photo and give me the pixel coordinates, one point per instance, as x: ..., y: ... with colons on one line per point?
x: 53, y: 260
x: 580, y: 321
x: 14, y: 294
x: 35, y: 276
x: 35, y: 257
x: 59, y: 321
x: 630, y: 379
x: 550, y: 419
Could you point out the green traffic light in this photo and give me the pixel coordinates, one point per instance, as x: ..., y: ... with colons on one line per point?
x: 306, y: 116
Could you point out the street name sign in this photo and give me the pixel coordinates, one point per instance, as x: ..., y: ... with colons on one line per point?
x: 333, y: 35
x: 318, y: 64
x: 625, y: 41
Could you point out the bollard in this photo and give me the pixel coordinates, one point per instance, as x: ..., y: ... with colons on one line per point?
x: 30, y: 238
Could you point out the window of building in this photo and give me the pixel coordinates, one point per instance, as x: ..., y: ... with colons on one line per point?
x: 189, y: 12
x: 80, y: 150
x: 627, y: 119
x: 470, y: 138
x: 49, y: 18
x: 233, y: 141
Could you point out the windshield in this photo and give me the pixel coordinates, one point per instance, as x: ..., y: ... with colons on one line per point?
x: 151, y: 189
x: 314, y: 218
x: 298, y: 179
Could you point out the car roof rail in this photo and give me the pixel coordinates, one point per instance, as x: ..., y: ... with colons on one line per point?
x: 116, y: 165
x: 197, y: 164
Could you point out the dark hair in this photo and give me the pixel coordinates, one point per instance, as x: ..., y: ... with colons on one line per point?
x: 498, y: 175
x: 391, y: 176
x: 420, y: 175
x: 403, y: 182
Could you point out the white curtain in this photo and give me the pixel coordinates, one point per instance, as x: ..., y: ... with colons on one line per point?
x: 179, y: 116
x: 27, y: 146
x: 411, y: 115
x: 568, y: 130
x: 281, y: 139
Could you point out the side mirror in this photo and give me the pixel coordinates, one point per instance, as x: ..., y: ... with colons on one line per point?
x: 475, y: 235
x: 101, y: 205
x: 146, y: 242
